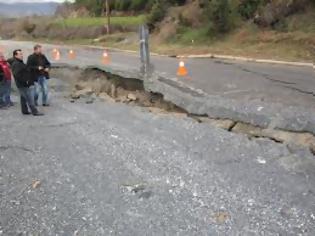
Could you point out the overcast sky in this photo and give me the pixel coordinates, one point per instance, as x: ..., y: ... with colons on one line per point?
x: 10, y: 1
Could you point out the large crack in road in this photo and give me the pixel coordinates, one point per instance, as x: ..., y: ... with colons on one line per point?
x: 19, y: 148
x: 95, y: 82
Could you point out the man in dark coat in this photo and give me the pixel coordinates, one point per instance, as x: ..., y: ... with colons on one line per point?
x: 40, y: 66
x: 25, y: 84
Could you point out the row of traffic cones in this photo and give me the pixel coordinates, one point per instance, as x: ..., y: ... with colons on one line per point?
x: 181, y: 71
x: 56, y: 55
x: 72, y: 56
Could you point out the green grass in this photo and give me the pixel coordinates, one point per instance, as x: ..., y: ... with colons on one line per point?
x: 189, y: 36
x: 99, y: 21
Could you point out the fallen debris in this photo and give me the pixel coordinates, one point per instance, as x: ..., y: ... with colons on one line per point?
x: 136, y: 188
x: 221, y: 217
x: 94, y: 82
x: 131, y: 97
x: 106, y: 97
x: 36, y: 184
x: 83, y: 92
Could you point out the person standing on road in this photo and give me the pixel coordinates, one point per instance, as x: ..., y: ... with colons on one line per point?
x: 25, y: 84
x: 2, y: 79
x: 40, y: 66
x: 6, y: 83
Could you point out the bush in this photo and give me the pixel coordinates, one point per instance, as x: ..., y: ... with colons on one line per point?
x: 183, y: 21
x: 157, y: 13
x: 138, y: 5
x: 149, y: 5
x: 94, y: 6
x: 218, y: 13
x: 281, y: 25
x: 247, y: 8
x: 27, y: 26
x: 122, y: 5
x: 177, y: 2
x: 135, y: 5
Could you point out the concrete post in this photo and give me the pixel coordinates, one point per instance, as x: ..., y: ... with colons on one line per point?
x: 146, y: 67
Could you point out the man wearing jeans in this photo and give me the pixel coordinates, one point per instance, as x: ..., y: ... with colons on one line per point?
x: 25, y: 84
x: 2, y: 89
x: 39, y: 65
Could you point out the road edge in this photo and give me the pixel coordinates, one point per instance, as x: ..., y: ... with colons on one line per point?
x: 214, y: 56
x: 249, y: 59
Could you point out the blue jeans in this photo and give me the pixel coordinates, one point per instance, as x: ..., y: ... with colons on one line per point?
x: 42, y: 88
x: 2, y: 88
x: 7, y: 92
x: 27, y: 100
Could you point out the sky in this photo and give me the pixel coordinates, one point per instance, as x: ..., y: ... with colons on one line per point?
x: 11, y: 1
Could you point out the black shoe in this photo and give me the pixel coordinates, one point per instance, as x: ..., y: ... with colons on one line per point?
x: 46, y: 105
x: 26, y: 113
x: 38, y: 114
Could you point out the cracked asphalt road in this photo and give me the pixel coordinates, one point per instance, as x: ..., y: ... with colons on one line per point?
x: 263, y: 95
x: 241, y: 81
x: 111, y: 169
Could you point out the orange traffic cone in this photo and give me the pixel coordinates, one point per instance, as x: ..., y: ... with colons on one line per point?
x: 57, y: 58
x: 182, y: 71
x: 71, y: 55
x: 105, y: 58
x: 55, y: 54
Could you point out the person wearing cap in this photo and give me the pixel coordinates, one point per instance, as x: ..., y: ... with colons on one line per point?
x: 40, y: 66
x: 25, y: 83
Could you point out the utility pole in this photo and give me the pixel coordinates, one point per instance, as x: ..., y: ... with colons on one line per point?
x: 107, y: 16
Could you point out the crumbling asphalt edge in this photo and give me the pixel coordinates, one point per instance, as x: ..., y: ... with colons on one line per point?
x: 197, y: 102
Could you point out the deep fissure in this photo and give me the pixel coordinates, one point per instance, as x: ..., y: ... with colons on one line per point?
x: 96, y: 82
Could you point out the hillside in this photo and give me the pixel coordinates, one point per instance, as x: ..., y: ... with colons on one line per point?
x: 278, y: 30
x: 20, y: 9
x: 272, y: 29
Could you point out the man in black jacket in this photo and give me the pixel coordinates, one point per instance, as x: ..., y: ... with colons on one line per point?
x: 40, y: 66
x: 25, y: 84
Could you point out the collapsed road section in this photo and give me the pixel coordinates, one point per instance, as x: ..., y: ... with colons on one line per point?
x: 289, y: 125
